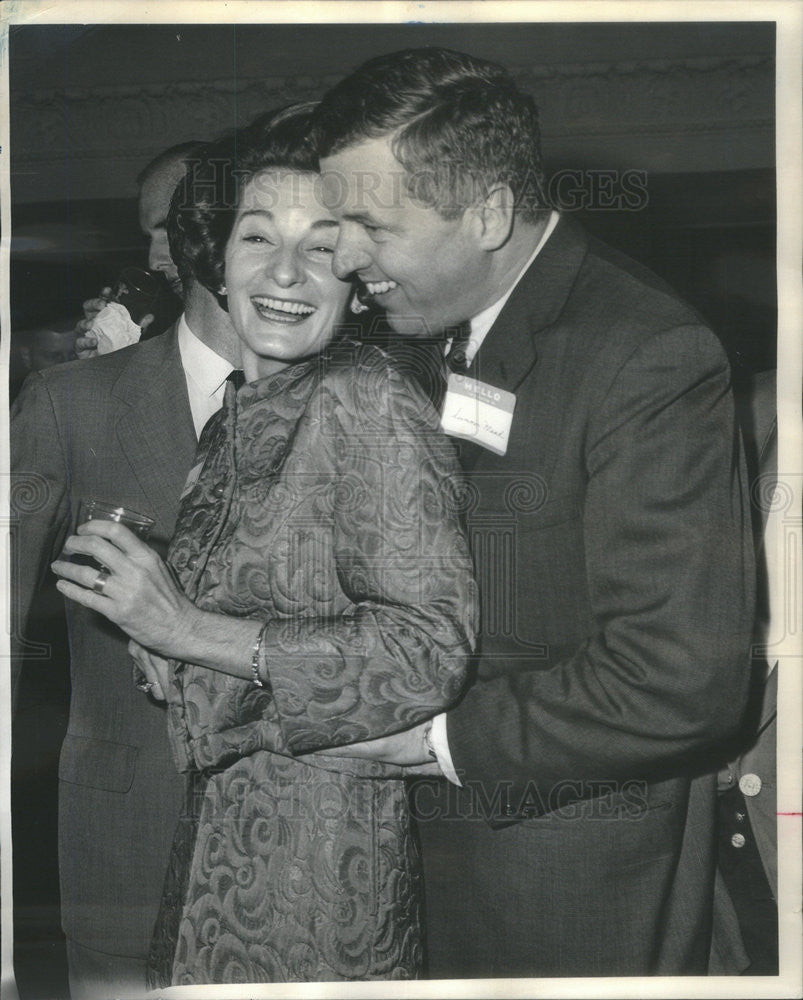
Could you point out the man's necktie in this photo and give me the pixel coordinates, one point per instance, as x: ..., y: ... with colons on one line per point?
x: 237, y: 378
x: 456, y: 360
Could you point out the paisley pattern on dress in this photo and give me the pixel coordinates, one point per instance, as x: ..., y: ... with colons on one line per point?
x: 328, y: 505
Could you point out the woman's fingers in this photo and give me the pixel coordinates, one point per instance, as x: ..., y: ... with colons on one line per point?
x: 154, y: 667
x: 86, y: 576
x: 116, y: 533
x: 139, y: 593
x: 99, y: 549
x: 88, y: 598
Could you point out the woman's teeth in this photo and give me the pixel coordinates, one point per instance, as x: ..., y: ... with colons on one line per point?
x: 300, y: 309
x: 380, y: 287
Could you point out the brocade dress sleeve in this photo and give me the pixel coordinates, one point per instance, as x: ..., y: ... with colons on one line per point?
x: 355, y: 547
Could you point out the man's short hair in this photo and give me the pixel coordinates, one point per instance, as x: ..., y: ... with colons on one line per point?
x: 204, y: 205
x: 458, y: 125
x: 173, y: 154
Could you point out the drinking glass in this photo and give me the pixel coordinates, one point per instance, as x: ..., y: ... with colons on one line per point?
x: 138, y: 290
x: 99, y: 510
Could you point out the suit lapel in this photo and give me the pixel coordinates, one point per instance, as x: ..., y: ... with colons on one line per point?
x: 509, y: 352
x: 154, y: 427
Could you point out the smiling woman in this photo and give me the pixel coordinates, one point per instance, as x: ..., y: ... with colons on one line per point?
x: 317, y: 592
x: 283, y: 298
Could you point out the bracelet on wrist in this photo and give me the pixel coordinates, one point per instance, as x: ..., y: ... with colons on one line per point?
x: 255, y: 656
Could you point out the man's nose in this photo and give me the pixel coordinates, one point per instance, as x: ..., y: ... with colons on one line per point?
x: 350, y: 256
x: 159, y: 258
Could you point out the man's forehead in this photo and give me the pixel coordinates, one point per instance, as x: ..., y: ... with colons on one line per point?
x: 365, y: 179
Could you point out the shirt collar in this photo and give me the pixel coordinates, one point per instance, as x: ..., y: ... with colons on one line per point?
x: 483, y: 321
x: 205, y: 367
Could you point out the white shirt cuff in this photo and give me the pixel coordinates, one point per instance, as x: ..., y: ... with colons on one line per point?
x: 440, y: 744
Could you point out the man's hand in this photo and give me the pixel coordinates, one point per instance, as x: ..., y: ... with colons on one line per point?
x: 86, y: 344
x: 407, y: 749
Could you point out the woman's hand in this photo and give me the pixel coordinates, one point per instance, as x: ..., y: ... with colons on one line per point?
x: 154, y: 667
x: 139, y: 593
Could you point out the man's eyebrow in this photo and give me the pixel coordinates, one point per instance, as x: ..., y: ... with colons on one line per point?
x: 363, y: 218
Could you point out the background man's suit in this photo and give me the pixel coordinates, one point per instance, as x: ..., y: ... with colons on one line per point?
x: 614, y: 560
x: 745, y: 904
x: 117, y: 428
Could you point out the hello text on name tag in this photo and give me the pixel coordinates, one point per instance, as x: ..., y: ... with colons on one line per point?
x: 477, y: 411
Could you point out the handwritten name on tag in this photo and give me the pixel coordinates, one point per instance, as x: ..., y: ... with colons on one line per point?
x: 192, y: 479
x: 477, y: 411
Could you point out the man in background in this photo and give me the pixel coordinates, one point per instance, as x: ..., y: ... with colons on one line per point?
x: 746, y: 902
x: 120, y: 428
x: 161, y: 175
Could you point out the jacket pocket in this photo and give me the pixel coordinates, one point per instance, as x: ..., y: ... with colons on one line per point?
x: 97, y: 763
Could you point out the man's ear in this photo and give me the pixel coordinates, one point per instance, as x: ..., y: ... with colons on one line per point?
x: 494, y: 216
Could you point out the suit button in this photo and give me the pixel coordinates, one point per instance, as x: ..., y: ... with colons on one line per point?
x: 219, y: 490
x: 750, y: 784
x: 738, y: 840
x: 192, y: 562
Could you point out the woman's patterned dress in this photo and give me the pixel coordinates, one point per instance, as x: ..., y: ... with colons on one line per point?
x: 326, y: 501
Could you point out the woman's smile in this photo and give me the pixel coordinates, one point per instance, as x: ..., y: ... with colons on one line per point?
x: 282, y: 310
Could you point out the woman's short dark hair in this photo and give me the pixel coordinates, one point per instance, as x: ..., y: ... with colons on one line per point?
x: 458, y: 125
x: 204, y: 205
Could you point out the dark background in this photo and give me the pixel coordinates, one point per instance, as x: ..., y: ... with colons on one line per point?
x: 690, y: 106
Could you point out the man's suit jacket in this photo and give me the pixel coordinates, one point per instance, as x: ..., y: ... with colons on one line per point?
x: 613, y: 552
x: 117, y: 428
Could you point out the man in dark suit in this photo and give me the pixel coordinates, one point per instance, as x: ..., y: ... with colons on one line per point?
x: 121, y: 428
x: 745, y: 904
x: 608, y: 513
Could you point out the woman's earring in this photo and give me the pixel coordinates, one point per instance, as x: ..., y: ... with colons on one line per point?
x: 223, y: 290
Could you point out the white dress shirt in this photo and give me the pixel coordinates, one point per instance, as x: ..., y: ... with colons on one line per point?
x: 206, y: 373
x: 480, y: 325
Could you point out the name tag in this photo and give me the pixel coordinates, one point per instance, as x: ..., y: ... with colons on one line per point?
x: 477, y: 411
x: 192, y: 479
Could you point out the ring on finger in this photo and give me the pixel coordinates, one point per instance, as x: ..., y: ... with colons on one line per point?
x: 101, y: 580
